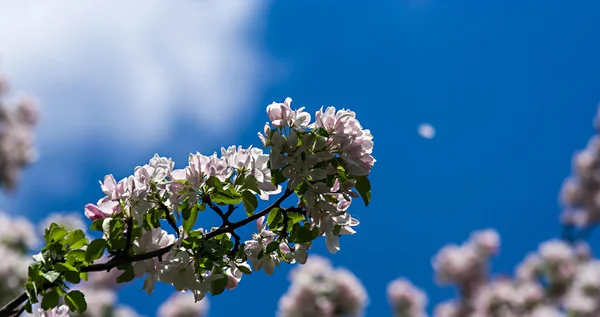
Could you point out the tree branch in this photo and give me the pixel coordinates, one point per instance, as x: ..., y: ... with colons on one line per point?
x: 168, y: 216
x: 20, y: 311
x: 214, y: 207
x: 264, y: 212
x: 129, y: 235
x: 230, y: 210
x: 12, y: 306
x: 118, y: 260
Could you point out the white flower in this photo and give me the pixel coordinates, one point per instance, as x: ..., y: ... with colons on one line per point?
x: 259, y: 244
x: 406, y: 299
x: 179, y: 271
x: 183, y: 305
x: 61, y: 311
x: 280, y: 114
x: 150, y: 241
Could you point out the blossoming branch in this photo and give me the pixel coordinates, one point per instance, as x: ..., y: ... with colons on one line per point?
x: 325, y: 164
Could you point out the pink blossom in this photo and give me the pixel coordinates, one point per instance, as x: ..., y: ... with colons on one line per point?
x: 105, y: 208
x: 406, y: 299
x: 280, y: 113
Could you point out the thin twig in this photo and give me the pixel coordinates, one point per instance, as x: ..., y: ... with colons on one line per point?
x: 169, y: 217
x: 214, y: 207
x: 129, y: 235
x: 20, y: 311
x: 230, y: 210
x: 12, y: 306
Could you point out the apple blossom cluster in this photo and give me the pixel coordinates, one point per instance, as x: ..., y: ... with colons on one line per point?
x: 17, y: 233
x: 15, y: 241
x: 466, y: 265
x: 559, y: 279
x: 149, y: 220
x: 405, y: 299
x: 17, y: 138
x: 63, y: 311
x: 183, y: 305
x: 317, y: 289
x: 313, y: 159
x: 581, y: 192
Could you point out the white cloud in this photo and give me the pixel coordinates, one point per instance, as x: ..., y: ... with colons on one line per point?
x: 115, y: 70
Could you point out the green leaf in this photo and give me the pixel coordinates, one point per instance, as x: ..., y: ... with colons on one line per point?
x: 314, y: 232
x: 64, y: 267
x: 226, y: 196
x: 127, y: 275
x: 83, y: 276
x: 244, y: 269
x: 72, y: 277
x: 51, y: 276
x: 56, y: 234
x: 321, y: 131
x: 274, y: 217
x: 341, y: 171
x: 271, y: 247
x: 303, y: 234
x: 301, y: 188
x: 97, y: 225
x: 277, y: 177
x: 190, y: 220
x: 76, y: 239
x: 295, y: 217
x: 117, y: 244
x: 116, y: 227
x: 31, y: 291
x: 34, y: 272
x: 39, y: 257
x: 250, y: 202
x: 27, y: 307
x: 95, y: 250
x: 308, y: 140
x: 214, y: 182
x: 218, y: 286
x: 75, y: 256
x: 76, y: 301
x: 239, y: 180
x: 250, y: 182
x: 336, y: 230
x: 363, y: 186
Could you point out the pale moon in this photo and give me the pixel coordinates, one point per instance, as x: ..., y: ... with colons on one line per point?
x: 427, y: 131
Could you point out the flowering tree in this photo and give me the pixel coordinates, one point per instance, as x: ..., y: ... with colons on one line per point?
x: 561, y: 278
x: 148, y: 221
x: 319, y: 290
x: 17, y: 142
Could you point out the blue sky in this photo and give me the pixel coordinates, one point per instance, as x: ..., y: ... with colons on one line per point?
x: 511, y: 88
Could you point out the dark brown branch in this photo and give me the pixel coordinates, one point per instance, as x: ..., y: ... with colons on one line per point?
x: 129, y: 235
x: 169, y: 217
x: 236, y: 245
x: 214, y: 207
x: 265, y: 211
x: 20, y: 311
x: 12, y: 306
x: 230, y: 210
x: 121, y: 259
